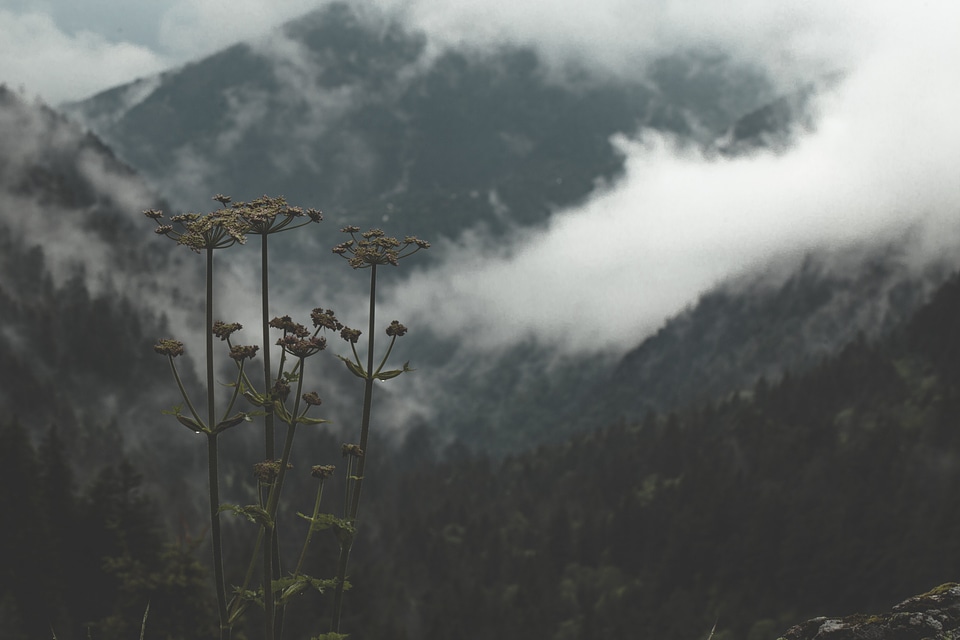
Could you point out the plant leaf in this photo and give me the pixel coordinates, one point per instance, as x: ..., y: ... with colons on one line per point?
x: 232, y: 421
x: 191, y: 424
x: 252, y: 512
x: 354, y: 368
x: 386, y: 375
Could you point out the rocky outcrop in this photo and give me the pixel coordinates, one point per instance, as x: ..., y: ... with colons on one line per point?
x: 934, y: 615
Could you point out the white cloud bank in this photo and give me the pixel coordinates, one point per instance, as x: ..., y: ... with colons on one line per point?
x: 885, y: 156
x: 64, y: 51
x: 37, y: 55
x: 885, y: 152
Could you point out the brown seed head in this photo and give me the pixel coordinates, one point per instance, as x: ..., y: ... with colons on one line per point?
x: 241, y: 353
x: 396, y: 329
x: 351, y: 450
x: 323, y: 471
x: 169, y: 347
x: 350, y: 335
x: 224, y: 330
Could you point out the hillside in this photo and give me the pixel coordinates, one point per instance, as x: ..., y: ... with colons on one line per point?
x: 355, y: 114
x: 76, y: 329
x: 825, y: 492
x: 350, y: 112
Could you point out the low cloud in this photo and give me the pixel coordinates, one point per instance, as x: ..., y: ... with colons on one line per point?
x: 881, y: 159
x: 43, y: 59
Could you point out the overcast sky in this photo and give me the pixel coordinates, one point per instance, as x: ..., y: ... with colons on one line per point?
x: 70, y: 49
x: 885, y: 152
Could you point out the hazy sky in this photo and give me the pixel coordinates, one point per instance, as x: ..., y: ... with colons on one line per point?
x: 885, y: 152
x: 69, y: 49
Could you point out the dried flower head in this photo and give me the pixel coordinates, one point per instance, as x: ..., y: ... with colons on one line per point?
x: 312, y: 399
x: 268, y: 470
x: 322, y: 471
x: 268, y: 214
x: 325, y: 318
x: 376, y: 247
x: 396, y: 329
x: 169, y: 347
x: 224, y: 330
x: 280, y: 390
x: 241, y: 353
x: 289, y: 326
x: 351, y: 450
x: 350, y: 335
x: 216, y: 230
x: 302, y: 347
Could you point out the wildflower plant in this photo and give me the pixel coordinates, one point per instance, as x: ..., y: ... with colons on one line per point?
x: 273, y: 398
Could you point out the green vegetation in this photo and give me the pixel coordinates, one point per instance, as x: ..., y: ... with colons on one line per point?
x: 84, y: 561
x: 221, y: 229
x: 823, y: 493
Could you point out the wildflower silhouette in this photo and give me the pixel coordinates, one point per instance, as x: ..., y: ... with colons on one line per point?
x: 370, y: 250
x: 276, y: 401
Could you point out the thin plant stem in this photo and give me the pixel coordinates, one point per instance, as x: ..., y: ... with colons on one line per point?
x: 273, y: 501
x: 269, y: 429
x: 354, y: 506
x: 212, y: 463
x: 367, y: 396
x: 271, y: 550
x: 306, y: 542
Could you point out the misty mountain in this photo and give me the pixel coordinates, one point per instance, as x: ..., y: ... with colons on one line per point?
x: 75, y: 346
x: 819, y: 493
x: 350, y: 112
x: 786, y: 318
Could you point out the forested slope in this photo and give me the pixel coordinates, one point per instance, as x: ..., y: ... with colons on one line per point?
x: 827, y: 491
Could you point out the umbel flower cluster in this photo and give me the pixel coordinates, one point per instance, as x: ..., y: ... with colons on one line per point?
x: 375, y: 247
x: 273, y: 399
x: 231, y: 224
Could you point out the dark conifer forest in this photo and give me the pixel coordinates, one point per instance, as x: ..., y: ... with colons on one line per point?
x: 786, y: 446
x: 826, y: 491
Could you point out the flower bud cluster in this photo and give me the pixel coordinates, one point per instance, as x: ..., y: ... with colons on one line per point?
x: 169, y: 347
x: 224, y: 330
x: 268, y: 470
x: 375, y: 247
x: 322, y: 471
x: 241, y: 353
x: 396, y: 329
x: 230, y: 224
x: 351, y: 450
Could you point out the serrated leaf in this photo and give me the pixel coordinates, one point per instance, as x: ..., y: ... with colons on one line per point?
x: 288, y: 587
x: 175, y: 410
x: 252, y: 512
x: 328, y: 521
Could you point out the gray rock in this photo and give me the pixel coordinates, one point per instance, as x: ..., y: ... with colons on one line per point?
x: 934, y: 615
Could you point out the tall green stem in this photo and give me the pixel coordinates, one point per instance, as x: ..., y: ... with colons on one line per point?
x: 354, y: 506
x: 265, y: 324
x: 367, y: 396
x: 273, y: 501
x: 212, y: 462
x: 271, y: 550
